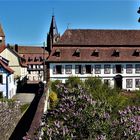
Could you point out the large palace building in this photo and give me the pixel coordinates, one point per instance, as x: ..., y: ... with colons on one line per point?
x: 112, y: 55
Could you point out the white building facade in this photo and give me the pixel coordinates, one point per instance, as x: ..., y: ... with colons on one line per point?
x: 112, y: 55
x: 7, y: 84
x: 128, y: 74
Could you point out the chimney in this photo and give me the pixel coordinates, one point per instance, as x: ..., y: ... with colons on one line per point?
x: 16, y: 47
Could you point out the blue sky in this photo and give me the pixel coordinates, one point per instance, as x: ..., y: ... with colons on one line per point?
x: 26, y: 22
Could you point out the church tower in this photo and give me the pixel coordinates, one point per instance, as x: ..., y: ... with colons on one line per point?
x: 53, y: 35
x: 2, y: 37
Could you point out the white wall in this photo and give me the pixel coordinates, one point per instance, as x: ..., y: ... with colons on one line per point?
x: 110, y: 76
x: 8, y: 82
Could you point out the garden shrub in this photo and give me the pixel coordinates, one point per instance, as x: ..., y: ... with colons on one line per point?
x: 91, y: 111
x: 52, y: 85
x: 74, y: 82
x: 53, y: 99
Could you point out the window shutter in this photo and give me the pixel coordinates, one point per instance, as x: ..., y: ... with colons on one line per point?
x: 83, y: 69
x: 62, y: 69
x: 114, y: 69
x: 122, y: 68
x: 76, y: 69
x: 92, y: 69
x: 54, y: 69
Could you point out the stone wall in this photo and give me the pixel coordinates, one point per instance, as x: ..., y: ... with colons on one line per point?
x: 10, y: 114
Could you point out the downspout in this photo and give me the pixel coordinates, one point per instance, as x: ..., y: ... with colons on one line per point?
x: 7, y: 85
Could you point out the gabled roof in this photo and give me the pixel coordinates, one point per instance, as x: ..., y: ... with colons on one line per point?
x: 21, y: 59
x: 5, y: 66
x: 2, y: 48
x: 31, y: 50
x: 1, y: 31
x: 99, y: 37
x: 126, y: 54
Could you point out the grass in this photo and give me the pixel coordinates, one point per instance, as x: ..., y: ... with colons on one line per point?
x: 24, y: 107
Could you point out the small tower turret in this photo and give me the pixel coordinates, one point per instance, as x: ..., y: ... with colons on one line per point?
x: 53, y: 35
x: 2, y: 37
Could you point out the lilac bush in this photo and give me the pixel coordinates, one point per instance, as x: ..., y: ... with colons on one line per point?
x: 78, y: 116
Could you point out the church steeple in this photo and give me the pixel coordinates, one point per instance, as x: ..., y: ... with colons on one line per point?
x: 2, y: 37
x: 53, y: 34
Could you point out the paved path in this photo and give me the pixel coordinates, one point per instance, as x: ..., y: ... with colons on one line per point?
x: 24, y: 97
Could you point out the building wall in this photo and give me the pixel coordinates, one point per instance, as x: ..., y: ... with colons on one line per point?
x: 35, y: 73
x: 125, y: 76
x: 14, y: 63
x: 11, y: 86
x: 7, y: 87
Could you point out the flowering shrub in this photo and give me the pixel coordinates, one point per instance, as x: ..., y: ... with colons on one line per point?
x: 78, y: 115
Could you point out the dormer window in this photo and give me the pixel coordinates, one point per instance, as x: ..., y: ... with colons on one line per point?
x: 57, y: 52
x: 95, y: 53
x: 77, y: 52
x: 29, y: 59
x: 36, y: 59
x: 136, y: 52
x: 116, y: 53
x: 41, y: 59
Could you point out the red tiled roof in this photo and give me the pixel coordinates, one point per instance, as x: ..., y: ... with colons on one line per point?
x: 31, y: 50
x: 35, y: 58
x: 2, y: 48
x: 100, y: 37
x: 6, y: 67
x: 126, y: 54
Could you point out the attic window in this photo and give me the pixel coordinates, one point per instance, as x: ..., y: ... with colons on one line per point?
x: 136, y: 52
x: 57, y: 52
x: 116, y: 53
x: 36, y: 59
x: 29, y: 59
x: 41, y: 59
x: 95, y: 53
x: 77, y: 52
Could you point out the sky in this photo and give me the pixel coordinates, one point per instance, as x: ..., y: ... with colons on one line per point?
x: 27, y: 22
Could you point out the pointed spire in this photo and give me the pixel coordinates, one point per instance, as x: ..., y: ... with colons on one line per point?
x: 53, y: 27
x: 1, y: 32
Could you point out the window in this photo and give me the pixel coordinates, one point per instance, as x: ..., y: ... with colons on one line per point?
x: 129, y: 68
x: 97, y: 69
x: 1, y: 79
x: 116, y: 53
x: 58, y: 69
x: 128, y: 83
x: 77, y: 53
x: 1, y: 94
x: 78, y: 69
x: 57, y: 53
x: 137, y: 83
x: 137, y: 68
x: 88, y: 69
x: 107, y: 69
x: 95, y: 53
x: 136, y: 53
x: 117, y: 69
x: 68, y: 69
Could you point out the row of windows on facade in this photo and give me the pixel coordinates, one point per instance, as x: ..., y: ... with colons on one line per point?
x: 35, y: 72
x: 35, y: 59
x: 88, y: 69
x: 129, y: 83
x: 35, y: 66
x: 96, y: 53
